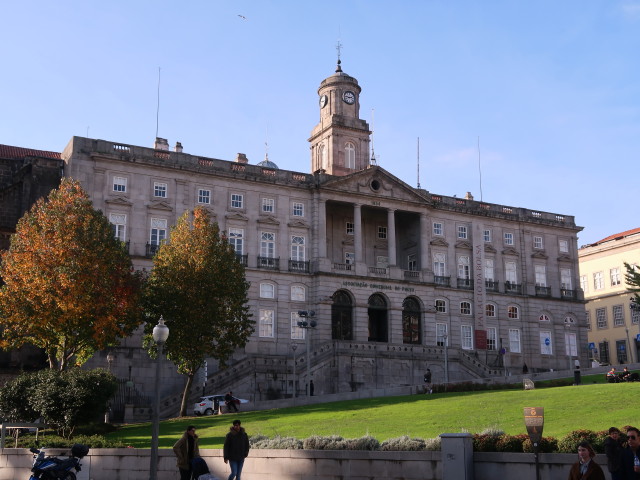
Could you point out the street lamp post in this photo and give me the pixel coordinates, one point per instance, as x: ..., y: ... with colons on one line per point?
x: 304, y: 314
x: 160, y: 335
x: 446, y: 359
x: 294, y: 347
x: 110, y: 359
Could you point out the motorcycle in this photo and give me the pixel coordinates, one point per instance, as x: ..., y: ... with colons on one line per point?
x: 53, y: 468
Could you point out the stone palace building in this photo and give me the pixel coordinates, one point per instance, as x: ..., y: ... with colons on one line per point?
x: 396, y: 279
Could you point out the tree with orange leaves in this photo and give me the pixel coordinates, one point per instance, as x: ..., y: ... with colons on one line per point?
x: 70, y: 288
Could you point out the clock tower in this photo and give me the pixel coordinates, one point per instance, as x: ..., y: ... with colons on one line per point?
x: 340, y: 141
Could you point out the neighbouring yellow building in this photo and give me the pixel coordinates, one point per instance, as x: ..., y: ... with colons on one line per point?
x: 613, y: 326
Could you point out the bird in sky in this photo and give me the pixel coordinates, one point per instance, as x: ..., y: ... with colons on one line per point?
x: 242, y: 17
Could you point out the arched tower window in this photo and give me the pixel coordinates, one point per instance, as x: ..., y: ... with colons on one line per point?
x: 411, y: 321
x: 322, y: 156
x: 342, y: 316
x: 350, y: 155
x: 378, y: 321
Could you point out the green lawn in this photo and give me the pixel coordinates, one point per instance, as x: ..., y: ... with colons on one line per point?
x: 590, y: 406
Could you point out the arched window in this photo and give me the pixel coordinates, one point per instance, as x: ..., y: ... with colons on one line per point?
x: 322, y: 156
x: 465, y: 308
x: 513, y: 311
x: 410, y: 321
x: 378, y: 328
x: 544, y: 318
x: 490, y: 310
x: 342, y: 316
x: 441, y: 306
x: 350, y: 155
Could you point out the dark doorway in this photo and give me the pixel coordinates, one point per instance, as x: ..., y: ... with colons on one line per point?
x: 411, y: 321
x: 378, y: 328
x: 341, y: 316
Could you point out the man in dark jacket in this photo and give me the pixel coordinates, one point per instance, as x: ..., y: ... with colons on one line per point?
x: 186, y: 449
x: 631, y: 455
x: 236, y: 449
x: 613, y: 450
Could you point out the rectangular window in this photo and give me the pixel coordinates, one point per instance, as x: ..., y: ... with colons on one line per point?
x: 492, y: 338
x: 514, y: 340
x: 588, y: 319
x: 618, y: 316
x: 158, y: 231
x: 563, y: 246
x: 159, y: 190
x: 615, y: 276
x: 465, y: 308
x: 508, y: 238
x: 412, y: 262
x: 467, y: 337
x: 297, y: 333
x: 487, y: 236
x: 439, y: 265
x: 349, y: 258
x: 584, y: 284
x: 537, y: 242
x: 268, y: 205
x: 265, y: 328
x: 488, y: 269
x: 382, y: 232
x: 267, y: 244
x: 382, y: 261
x: 601, y: 317
x: 236, y: 239
x: 119, y: 225
x: 463, y: 232
x: 119, y: 184
x: 441, y: 306
x: 510, y: 272
x: 298, y: 293
x: 571, y: 347
x: 545, y: 343
x: 621, y: 350
x: 541, y: 275
x: 297, y: 248
x: 204, y: 196
x: 298, y: 209
x: 350, y: 228
x: 604, y: 352
x: 598, y: 281
x: 267, y: 290
x: 237, y: 200
x: 635, y: 316
x: 438, y: 228
x: 441, y: 334
x: 565, y: 278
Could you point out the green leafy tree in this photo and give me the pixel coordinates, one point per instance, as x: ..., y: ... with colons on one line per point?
x: 632, y: 278
x: 69, y: 286
x: 199, y: 287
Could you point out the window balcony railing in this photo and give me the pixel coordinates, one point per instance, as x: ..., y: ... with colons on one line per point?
x: 568, y: 294
x: 510, y: 287
x: 442, y: 281
x: 414, y: 274
x: 378, y: 270
x: 242, y: 259
x: 465, y: 283
x: 152, y: 249
x: 543, y: 291
x: 269, y: 263
x: 299, y: 266
x: 491, y: 285
x: 343, y: 266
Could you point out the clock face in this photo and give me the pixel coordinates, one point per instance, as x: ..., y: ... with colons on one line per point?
x: 323, y: 101
x: 349, y: 97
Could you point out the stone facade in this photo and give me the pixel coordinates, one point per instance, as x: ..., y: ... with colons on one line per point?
x: 613, y: 325
x: 399, y: 279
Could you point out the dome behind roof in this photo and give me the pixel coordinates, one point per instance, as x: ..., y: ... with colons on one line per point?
x: 268, y: 164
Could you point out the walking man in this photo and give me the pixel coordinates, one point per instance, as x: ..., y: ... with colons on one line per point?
x: 236, y: 449
x: 427, y: 381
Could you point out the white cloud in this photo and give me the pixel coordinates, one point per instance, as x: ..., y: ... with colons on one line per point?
x: 631, y: 10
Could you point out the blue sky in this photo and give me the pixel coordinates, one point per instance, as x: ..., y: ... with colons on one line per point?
x: 551, y: 88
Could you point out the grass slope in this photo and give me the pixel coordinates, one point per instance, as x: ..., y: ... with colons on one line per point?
x: 594, y: 407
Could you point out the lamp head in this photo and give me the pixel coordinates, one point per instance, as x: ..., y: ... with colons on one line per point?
x: 160, y: 332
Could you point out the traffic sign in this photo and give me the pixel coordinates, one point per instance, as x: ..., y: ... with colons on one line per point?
x: 592, y: 345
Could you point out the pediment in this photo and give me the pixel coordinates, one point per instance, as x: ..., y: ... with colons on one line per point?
x: 463, y: 244
x: 298, y: 224
x: 564, y: 258
x: 489, y: 248
x: 376, y: 182
x: 160, y: 205
x: 510, y: 251
x: 439, y: 242
x: 381, y: 246
x: 212, y: 213
x: 539, y: 254
x: 236, y: 216
x: 268, y: 219
x: 118, y: 200
x: 348, y: 241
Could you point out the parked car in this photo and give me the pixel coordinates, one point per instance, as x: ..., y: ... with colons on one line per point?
x: 210, y: 404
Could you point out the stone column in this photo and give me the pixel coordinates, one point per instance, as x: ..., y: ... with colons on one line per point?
x: 322, y: 229
x: 457, y: 456
x: 425, y: 262
x: 357, y: 233
x: 391, y: 237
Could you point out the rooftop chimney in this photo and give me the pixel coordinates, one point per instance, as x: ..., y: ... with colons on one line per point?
x: 178, y: 147
x: 242, y: 158
x: 161, y: 144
